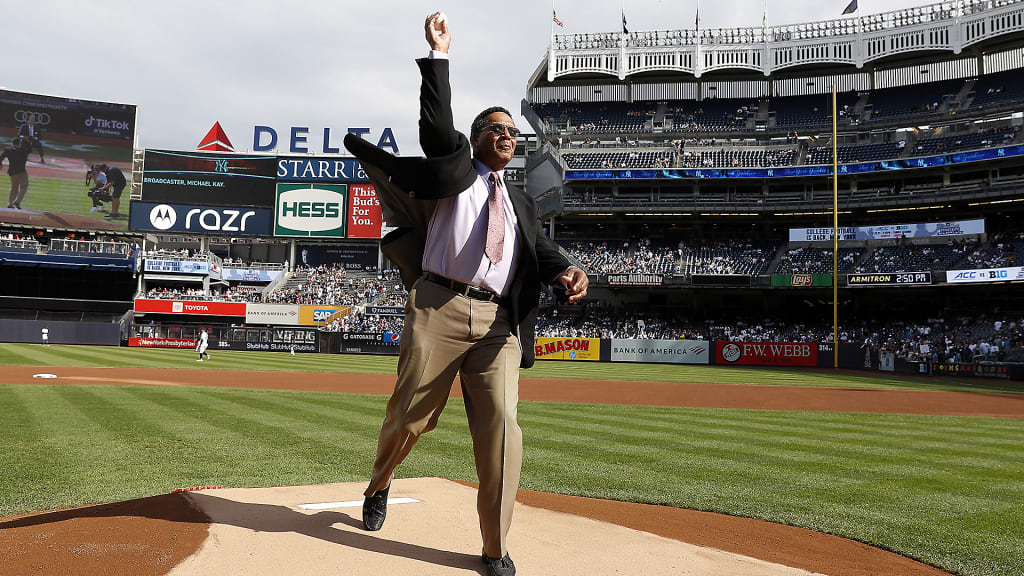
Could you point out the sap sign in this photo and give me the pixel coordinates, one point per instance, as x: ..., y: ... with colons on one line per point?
x: 264, y: 139
x: 153, y: 217
x: 310, y: 210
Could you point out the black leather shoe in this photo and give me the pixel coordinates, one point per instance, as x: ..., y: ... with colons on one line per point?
x: 499, y: 566
x: 375, y: 509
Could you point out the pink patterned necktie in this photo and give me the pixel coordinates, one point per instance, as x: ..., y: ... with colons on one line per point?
x: 495, y: 221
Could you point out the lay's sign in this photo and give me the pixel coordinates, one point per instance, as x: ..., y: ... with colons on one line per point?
x: 576, y: 349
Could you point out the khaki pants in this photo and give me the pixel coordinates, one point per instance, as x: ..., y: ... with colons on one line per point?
x: 446, y: 334
x: 19, y: 186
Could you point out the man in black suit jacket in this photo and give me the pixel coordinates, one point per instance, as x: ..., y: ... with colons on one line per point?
x: 473, y: 255
x: 31, y: 133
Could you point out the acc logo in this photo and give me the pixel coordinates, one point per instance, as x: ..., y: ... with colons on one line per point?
x: 162, y: 217
x: 802, y: 280
x: 731, y: 352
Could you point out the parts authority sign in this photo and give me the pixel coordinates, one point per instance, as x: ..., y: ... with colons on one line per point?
x: 310, y: 210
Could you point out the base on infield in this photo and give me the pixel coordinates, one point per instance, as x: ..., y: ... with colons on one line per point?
x: 264, y: 531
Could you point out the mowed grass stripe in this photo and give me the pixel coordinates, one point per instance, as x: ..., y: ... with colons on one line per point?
x: 818, y: 470
x: 21, y: 354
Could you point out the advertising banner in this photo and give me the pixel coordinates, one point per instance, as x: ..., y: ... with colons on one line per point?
x: 767, y: 353
x: 886, y: 361
x: 985, y: 275
x: 889, y: 279
x: 310, y: 315
x: 889, y: 231
x: 250, y: 275
x: 234, y: 180
x: 661, y: 351
x: 801, y: 280
x: 162, y: 342
x: 143, y: 306
x: 176, y: 266
x: 204, y: 220
x: 365, y: 219
x: 790, y: 171
x: 364, y: 257
x: 635, y: 279
x: 588, y: 349
x: 369, y: 343
x: 384, y: 311
x: 327, y: 170
x: 305, y: 210
x: 278, y: 314
x: 304, y: 347
x: 63, y: 138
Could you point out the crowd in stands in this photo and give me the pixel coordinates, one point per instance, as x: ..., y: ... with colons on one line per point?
x: 329, y: 285
x: 958, y: 339
x: 726, y: 257
x: 1003, y: 250
x: 916, y: 257
x: 811, y: 260
x: 614, y: 257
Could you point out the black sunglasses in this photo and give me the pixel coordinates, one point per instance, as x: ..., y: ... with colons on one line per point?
x: 500, y: 129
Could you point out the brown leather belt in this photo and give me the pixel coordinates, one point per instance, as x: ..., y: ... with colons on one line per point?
x: 467, y: 290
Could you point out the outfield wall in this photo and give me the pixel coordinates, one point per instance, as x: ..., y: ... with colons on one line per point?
x: 86, y: 333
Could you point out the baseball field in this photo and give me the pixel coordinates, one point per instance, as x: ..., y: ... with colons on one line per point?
x: 58, y: 186
x: 932, y: 469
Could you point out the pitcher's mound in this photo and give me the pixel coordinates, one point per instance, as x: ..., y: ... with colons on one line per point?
x: 309, y: 530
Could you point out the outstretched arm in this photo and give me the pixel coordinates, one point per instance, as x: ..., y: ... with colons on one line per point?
x: 437, y: 128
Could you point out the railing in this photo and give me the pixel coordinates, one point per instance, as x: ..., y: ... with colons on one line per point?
x: 19, y: 243
x: 196, y: 257
x: 254, y: 265
x: 90, y: 246
x: 949, y: 26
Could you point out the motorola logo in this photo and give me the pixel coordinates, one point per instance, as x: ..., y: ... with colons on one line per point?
x: 162, y: 217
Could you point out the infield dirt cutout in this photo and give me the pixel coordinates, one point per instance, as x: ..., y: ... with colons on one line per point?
x: 263, y: 531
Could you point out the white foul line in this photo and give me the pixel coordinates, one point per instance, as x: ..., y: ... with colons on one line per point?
x: 353, y: 504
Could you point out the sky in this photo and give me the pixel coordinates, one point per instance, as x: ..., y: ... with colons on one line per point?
x: 320, y: 64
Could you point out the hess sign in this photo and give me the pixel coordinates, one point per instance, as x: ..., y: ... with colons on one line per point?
x: 310, y: 210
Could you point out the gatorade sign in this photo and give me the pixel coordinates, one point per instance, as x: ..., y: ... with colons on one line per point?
x: 310, y: 210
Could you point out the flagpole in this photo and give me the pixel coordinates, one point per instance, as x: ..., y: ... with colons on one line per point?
x: 835, y: 235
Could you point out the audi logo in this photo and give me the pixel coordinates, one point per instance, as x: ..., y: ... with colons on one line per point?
x: 41, y: 118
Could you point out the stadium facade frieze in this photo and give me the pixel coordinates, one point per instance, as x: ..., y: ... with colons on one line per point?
x: 797, y: 171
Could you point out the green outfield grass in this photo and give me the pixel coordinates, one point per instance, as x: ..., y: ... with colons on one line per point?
x: 946, y: 490
x: 64, y: 196
x: 31, y: 354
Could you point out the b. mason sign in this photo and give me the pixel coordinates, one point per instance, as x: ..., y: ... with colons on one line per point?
x: 635, y: 279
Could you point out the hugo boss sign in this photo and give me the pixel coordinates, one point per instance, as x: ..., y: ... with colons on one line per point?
x: 154, y: 217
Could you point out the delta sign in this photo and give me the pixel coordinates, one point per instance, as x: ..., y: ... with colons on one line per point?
x: 265, y: 139
x: 310, y: 210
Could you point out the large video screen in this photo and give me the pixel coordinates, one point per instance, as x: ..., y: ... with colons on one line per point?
x: 49, y: 146
x: 235, y: 180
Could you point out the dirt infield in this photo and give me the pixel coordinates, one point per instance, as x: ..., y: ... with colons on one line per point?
x: 697, y: 395
x: 153, y: 535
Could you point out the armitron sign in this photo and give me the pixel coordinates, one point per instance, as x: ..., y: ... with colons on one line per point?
x: 310, y: 210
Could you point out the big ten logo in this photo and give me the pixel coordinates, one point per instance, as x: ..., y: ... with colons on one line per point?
x: 802, y: 280
x: 365, y: 206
